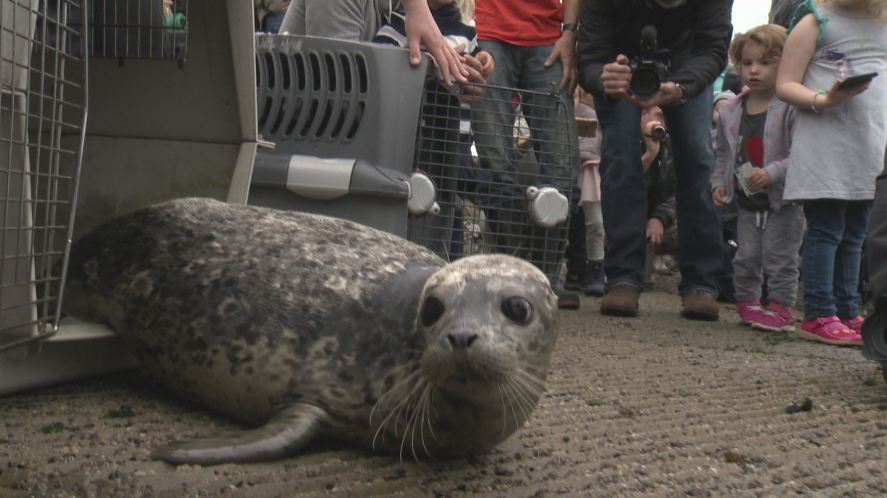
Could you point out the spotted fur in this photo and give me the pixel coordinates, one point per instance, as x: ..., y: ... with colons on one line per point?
x: 298, y: 320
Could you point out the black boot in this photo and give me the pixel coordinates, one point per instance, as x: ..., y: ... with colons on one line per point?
x: 594, y: 283
x: 566, y: 300
x: 576, y: 275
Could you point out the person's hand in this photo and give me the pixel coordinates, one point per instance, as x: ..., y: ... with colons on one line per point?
x: 473, y: 87
x: 759, y: 180
x: 669, y: 94
x: 616, y: 77
x: 838, y: 96
x: 565, y: 50
x: 422, y: 30
x: 488, y: 64
x: 655, y: 231
x: 717, y: 196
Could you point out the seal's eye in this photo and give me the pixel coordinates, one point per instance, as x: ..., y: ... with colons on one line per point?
x: 431, y: 311
x: 517, y: 309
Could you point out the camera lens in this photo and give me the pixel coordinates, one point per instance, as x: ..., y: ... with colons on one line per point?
x: 644, y: 82
x: 658, y: 133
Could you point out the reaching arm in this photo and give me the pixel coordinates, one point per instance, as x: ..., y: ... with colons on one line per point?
x: 565, y: 48
x: 422, y: 30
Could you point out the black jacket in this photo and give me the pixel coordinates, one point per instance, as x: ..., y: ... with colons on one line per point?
x: 697, y: 35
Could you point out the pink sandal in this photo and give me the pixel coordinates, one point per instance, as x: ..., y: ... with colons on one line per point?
x: 829, y: 330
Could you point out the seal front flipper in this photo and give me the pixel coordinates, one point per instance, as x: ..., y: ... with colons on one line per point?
x: 289, y: 430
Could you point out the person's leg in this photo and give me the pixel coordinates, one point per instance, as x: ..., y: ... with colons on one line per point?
x: 825, y: 229
x: 747, y: 264
x: 782, y: 242
x: 848, y: 257
x: 699, y: 227
x: 594, y: 231
x: 492, y: 123
x: 623, y: 192
x: 575, y: 254
x: 549, y: 113
x: 595, y: 281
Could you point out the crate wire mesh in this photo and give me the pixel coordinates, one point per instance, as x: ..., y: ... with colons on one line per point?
x: 143, y: 29
x: 483, y: 198
x: 42, y: 126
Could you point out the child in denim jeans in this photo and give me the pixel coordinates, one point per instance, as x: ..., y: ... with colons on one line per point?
x: 753, y: 143
x: 837, y: 151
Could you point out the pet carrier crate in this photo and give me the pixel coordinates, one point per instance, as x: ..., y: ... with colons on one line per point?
x: 42, y: 121
x: 502, y: 185
x: 169, y: 118
x: 344, y: 129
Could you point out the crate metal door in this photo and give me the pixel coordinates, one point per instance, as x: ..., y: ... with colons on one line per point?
x: 42, y: 122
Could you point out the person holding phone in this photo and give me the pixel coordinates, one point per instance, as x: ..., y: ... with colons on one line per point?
x: 837, y: 151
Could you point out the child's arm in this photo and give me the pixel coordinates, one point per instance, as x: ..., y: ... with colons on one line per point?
x: 799, y: 49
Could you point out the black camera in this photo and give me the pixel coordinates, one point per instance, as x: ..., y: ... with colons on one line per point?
x: 649, y: 68
x: 658, y: 133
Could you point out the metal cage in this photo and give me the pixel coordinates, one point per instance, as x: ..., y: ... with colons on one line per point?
x: 42, y: 124
x: 502, y: 185
x: 143, y: 29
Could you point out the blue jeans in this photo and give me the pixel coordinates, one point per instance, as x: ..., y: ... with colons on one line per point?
x: 831, y: 256
x: 624, y: 197
x: 547, y: 109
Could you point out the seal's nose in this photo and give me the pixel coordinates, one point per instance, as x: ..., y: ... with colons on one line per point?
x: 461, y: 341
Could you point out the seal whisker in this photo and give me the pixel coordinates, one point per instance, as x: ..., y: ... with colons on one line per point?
x: 524, y: 403
x: 425, y: 418
x: 504, y: 409
x: 413, y: 421
x: 529, y: 395
x: 401, y: 403
x: 512, y: 403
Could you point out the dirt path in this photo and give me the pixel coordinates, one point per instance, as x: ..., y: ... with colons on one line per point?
x: 653, y: 406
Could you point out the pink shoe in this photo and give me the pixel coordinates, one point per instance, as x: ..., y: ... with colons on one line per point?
x: 854, y: 324
x: 772, y: 322
x: 749, y: 311
x: 829, y: 330
x: 785, y: 314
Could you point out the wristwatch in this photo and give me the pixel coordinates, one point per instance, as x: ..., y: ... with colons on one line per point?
x: 684, y: 96
x: 570, y: 26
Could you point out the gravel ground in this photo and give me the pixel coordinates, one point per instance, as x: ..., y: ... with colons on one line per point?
x: 651, y: 406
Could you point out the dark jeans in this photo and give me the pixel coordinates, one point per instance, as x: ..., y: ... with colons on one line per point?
x: 547, y: 109
x: 624, y: 199
x: 831, y: 256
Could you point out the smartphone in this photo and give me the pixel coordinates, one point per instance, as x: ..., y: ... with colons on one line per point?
x: 859, y: 79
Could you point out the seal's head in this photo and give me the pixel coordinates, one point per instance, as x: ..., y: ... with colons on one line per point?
x: 486, y: 327
x: 484, y: 320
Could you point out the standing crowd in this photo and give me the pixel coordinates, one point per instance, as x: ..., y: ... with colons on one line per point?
x: 753, y: 157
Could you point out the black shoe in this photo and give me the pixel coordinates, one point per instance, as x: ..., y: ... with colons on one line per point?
x: 595, y: 282
x: 576, y: 275
x: 566, y: 300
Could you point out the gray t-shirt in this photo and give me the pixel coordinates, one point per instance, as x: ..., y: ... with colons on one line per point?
x: 838, y: 153
x: 356, y: 20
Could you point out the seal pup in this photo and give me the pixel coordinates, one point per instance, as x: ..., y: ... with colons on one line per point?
x: 302, y: 325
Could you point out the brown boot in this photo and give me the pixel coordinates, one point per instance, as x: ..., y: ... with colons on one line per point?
x: 621, y: 300
x: 699, y: 305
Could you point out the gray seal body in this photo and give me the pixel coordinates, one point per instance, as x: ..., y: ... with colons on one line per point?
x: 302, y: 325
